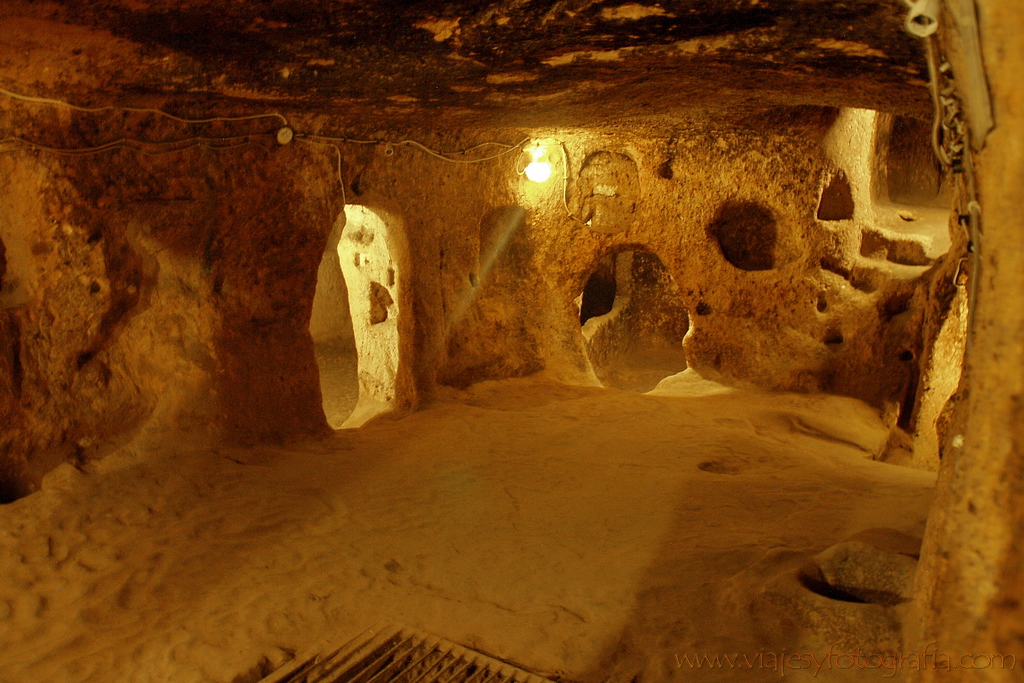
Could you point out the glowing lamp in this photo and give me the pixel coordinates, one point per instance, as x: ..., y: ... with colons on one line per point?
x: 538, y: 171
x: 539, y: 168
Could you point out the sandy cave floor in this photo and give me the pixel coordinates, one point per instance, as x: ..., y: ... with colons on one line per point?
x: 587, y: 533
x: 642, y: 369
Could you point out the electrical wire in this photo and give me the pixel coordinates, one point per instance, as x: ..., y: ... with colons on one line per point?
x: 128, y: 143
x: 444, y: 156
x: 140, y: 110
x: 509, y: 149
x: 328, y: 138
x: 565, y: 184
x: 933, y: 87
x: 341, y: 179
x: 191, y: 143
x: 331, y: 141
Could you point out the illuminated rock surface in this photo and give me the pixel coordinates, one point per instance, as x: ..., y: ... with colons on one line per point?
x: 264, y: 220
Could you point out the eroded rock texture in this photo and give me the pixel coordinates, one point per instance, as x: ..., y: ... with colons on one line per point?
x: 971, y: 586
x: 177, y: 285
x: 491, y: 263
x: 765, y: 165
x: 472, y: 62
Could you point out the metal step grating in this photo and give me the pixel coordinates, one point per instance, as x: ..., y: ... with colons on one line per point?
x: 401, y: 655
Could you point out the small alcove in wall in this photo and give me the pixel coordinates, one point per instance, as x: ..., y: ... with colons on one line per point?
x: 355, y: 320
x: 912, y: 194
x: 836, y: 202
x: 633, y: 321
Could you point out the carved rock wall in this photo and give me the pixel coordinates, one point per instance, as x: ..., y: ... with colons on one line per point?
x: 168, y: 290
x: 970, y: 585
x: 513, y: 256
x: 209, y: 258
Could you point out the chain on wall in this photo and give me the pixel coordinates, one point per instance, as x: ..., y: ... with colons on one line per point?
x: 951, y: 139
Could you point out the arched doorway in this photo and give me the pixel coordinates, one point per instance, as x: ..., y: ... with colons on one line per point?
x: 330, y: 325
x: 633, y: 321
x: 355, y: 322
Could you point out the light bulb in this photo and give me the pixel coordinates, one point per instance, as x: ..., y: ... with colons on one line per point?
x: 538, y: 171
x: 541, y: 165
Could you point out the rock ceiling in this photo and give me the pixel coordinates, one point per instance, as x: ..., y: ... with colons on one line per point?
x: 468, y: 63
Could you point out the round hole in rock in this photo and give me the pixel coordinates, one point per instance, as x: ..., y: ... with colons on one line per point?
x: 746, y: 233
x: 633, y: 321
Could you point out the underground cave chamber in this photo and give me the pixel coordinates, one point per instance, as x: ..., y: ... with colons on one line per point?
x: 300, y: 370
x: 830, y: 295
x: 811, y: 322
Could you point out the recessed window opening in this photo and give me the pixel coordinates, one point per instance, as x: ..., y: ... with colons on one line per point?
x: 913, y: 175
x: 836, y: 202
x: 633, y: 321
x: 746, y: 233
x: 354, y: 324
x: 912, y: 193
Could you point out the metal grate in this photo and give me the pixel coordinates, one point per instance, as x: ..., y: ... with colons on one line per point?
x: 401, y: 656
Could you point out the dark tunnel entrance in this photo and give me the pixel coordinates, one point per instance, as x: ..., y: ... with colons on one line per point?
x: 633, y: 321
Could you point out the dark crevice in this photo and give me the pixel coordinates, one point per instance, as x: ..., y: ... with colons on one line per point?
x: 665, y: 169
x: 909, y: 401
x: 11, y: 489
x: 380, y: 301
x: 814, y: 581
x: 17, y: 369
x: 599, y: 292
